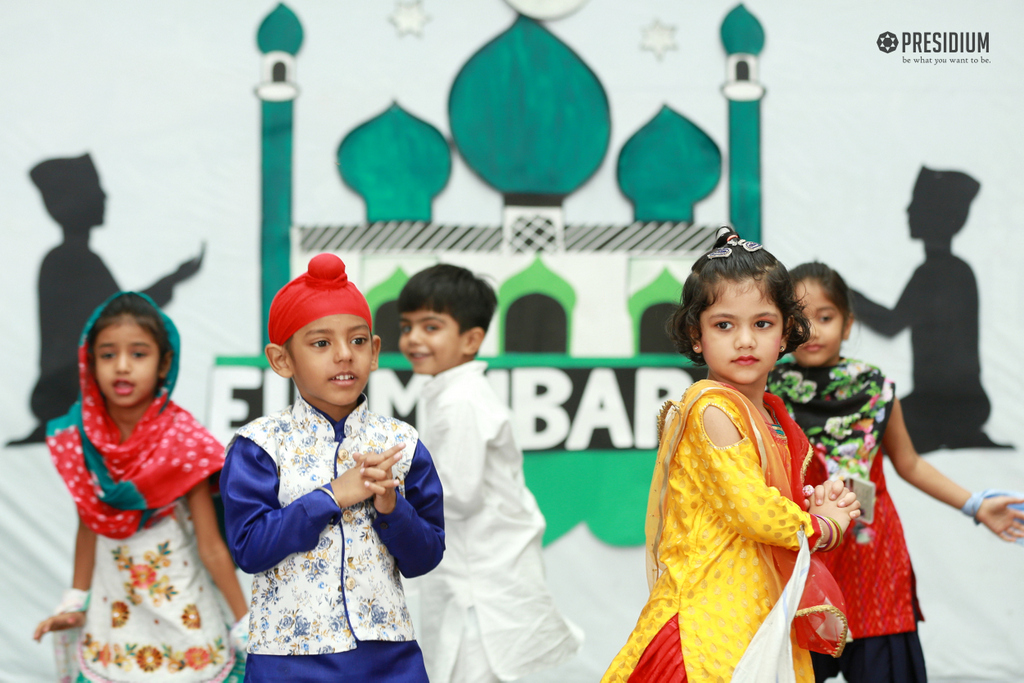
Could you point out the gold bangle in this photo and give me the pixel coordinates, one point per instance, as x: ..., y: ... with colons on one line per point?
x: 330, y: 492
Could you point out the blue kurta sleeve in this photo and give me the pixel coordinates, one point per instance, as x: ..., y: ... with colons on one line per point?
x: 414, y: 531
x: 261, y: 533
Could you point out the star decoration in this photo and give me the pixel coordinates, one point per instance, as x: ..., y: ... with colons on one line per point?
x: 659, y: 38
x: 409, y: 17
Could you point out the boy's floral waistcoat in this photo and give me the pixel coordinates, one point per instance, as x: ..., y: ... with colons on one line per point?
x: 313, y: 602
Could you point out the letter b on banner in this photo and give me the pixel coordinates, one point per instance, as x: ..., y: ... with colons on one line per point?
x: 537, y: 397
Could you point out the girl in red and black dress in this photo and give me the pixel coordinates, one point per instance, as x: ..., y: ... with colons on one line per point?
x: 850, y: 413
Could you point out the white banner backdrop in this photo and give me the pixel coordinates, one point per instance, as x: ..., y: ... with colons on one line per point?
x: 161, y: 96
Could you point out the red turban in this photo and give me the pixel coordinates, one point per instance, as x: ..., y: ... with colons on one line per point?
x: 321, y: 291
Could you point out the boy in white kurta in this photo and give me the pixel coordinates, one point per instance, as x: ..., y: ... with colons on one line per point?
x: 486, y: 610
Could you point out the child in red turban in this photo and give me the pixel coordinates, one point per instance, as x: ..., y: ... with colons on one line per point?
x: 326, y: 503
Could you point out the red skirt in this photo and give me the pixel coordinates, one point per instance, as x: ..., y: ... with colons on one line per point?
x: 662, y: 660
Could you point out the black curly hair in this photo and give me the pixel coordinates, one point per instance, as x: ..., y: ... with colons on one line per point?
x: 703, y: 285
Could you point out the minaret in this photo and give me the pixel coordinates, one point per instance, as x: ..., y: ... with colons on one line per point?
x: 279, y: 39
x: 743, y: 39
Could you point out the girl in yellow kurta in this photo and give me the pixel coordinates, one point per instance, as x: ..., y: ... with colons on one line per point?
x: 723, y: 521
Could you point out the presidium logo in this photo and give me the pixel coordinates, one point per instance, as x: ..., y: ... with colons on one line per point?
x: 944, y: 42
x: 887, y: 42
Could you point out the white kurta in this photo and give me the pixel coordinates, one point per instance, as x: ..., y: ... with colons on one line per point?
x: 493, y: 563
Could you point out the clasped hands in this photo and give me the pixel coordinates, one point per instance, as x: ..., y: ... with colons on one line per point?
x: 371, y: 476
x: 832, y: 499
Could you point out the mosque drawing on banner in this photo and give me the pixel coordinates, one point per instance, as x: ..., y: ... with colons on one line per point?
x: 532, y: 120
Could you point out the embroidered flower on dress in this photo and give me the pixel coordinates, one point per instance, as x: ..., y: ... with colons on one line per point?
x: 119, y: 614
x: 146, y: 576
x: 197, y: 657
x: 175, y: 660
x: 190, y: 617
x: 143, y: 576
x: 149, y: 659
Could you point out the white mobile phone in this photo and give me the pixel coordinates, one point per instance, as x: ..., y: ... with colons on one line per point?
x: 865, y: 490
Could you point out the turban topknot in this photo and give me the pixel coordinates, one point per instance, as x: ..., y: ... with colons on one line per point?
x: 323, y: 290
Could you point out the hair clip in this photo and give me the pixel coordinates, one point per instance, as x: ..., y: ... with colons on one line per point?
x: 750, y: 246
x: 721, y: 252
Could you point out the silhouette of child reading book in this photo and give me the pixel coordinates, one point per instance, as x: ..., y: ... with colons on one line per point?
x: 73, y: 281
x: 948, y: 406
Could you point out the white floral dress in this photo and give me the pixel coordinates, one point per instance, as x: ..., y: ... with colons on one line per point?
x: 153, y: 611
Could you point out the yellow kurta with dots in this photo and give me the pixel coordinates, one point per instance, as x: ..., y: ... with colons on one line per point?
x: 719, y: 578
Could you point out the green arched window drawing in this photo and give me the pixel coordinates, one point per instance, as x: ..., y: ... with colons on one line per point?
x: 648, y: 309
x: 384, y: 309
x: 542, y: 286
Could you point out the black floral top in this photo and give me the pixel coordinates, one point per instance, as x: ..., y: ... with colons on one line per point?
x: 843, y: 410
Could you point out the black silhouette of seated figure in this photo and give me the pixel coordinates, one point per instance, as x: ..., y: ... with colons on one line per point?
x: 948, y: 406
x: 73, y: 281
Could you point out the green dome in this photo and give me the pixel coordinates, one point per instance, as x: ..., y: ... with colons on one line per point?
x: 281, y: 30
x: 668, y: 166
x: 742, y: 32
x: 398, y: 163
x: 528, y: 115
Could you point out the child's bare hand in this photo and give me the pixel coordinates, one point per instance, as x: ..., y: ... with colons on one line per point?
x: 377, y: 477
x: 833, y: 499
x: 349, y: 488
x: 834, y: 489
x: 1005, y: 522
x: 59, y: 622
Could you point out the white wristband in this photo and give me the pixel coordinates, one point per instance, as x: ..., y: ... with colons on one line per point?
x: 73, y: 600
x: 240, y: 634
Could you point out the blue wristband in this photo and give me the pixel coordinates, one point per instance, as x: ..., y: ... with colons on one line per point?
x: 973, y: 504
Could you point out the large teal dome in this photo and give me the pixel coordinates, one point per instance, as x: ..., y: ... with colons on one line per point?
x: 528, y: 115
